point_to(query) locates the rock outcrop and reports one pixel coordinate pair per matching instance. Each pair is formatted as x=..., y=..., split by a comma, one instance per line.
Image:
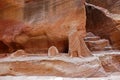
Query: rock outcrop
x=103, y=23
x=95, y=43
x=50, y=28
x=46, y=66
x=39, y=34
x=111, y=5
x=12, y=9
x=10, y=35
x=101, y=64
x=110, y=61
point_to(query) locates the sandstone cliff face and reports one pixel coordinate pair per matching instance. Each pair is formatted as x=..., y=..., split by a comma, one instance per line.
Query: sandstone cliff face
x=50, y=24
x=58, y=21
x=55, y=27
x=11, y=9
x=103, y=23
x=112, y=5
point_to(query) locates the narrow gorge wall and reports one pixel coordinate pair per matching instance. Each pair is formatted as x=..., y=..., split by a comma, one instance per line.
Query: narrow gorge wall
x=49, y=23
x=103, y=21
x=12, y=9
x=112, y=5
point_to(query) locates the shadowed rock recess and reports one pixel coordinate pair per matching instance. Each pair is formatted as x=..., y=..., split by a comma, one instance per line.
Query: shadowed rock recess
x=103, y=23
x=65, y=38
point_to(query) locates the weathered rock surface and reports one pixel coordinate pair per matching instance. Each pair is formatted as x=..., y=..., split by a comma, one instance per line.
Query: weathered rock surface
x=54, y=30
x=110, y=61
x=112, y=5
x=77, y=46
x=49, y=28
x=12, y=9
x=10, y=35
x=98, y=44
x=100, y=65
x=55, y=27
x=53, y=51
x=95, y=43
x=45, y=66
x=103, y=23
x=18, y=53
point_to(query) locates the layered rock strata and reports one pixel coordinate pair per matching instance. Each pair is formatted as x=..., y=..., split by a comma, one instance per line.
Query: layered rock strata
x=49, y=28
x=103, y=23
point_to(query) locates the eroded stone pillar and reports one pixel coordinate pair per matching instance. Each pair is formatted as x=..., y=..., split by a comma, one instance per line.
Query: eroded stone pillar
x=77, y=46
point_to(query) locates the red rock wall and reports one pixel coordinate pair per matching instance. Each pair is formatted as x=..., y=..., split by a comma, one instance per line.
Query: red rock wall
x=50, y=24
x=12, y=9
x=112, y=5
x=103, y=23
x=60, y=19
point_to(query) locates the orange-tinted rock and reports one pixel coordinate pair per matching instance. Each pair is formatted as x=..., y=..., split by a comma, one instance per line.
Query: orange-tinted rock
x=77, y=46
x=110, y=62
x=115, y=39
x=111, y=5
x=56, y=25
x=12, y=9
x=103, y=24
x=53, y=51
x=94, y=43
x=98, y=44
x=3, y=55
x=50, y=26
x=46, y=66
x=9, y=32
x=18, y=53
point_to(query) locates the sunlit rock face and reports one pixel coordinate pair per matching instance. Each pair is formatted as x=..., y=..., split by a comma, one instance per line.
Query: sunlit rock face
x=53, y=21
x=103, y=23
x=50, y=24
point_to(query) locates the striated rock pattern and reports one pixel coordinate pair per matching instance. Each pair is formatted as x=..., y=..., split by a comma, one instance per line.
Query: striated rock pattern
x=110, y=63
x=12, y=9
x=10, y=35
x=55, y=26
x=95, y=43
x=45, y=66
x=47, y=27
x=77, y=46
x=38, y=33
x=112, y=5
x=101, y=64
x=104, y=24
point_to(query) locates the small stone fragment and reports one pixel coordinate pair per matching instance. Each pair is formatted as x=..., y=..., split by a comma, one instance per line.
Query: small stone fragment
x=18, y=53
x=53, y=51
